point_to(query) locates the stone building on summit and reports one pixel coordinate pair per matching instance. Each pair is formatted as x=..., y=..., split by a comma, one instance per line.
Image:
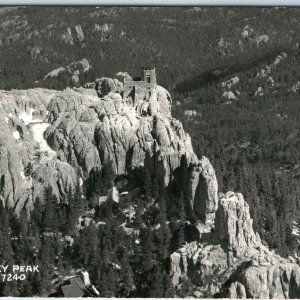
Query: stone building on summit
x=146, y=81
x=142, y=86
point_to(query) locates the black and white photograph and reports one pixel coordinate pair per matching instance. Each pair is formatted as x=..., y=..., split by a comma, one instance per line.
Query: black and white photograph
x=150, y=151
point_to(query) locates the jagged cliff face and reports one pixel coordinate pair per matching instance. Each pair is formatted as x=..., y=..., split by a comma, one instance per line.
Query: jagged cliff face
x=27, y=164
x=233, y=223
x=55, y=135
x=131, y=131
x=90, y=133
x=231, y=261
x=203, y=188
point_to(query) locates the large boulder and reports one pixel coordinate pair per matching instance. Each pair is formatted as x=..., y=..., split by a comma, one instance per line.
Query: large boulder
x=105, y=85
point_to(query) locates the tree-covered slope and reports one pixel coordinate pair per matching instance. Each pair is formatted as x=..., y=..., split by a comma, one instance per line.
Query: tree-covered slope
x=184, y=42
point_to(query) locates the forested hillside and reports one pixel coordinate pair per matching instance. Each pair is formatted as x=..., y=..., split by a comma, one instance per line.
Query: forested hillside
x=248, y=122
x=114, y=188
x=185, y=43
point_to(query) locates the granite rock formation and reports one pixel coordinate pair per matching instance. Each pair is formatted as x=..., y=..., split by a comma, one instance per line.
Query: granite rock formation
x=26, y=169
x=233, y=223
x=87, y=129
x=230, y=261
x=203, y=188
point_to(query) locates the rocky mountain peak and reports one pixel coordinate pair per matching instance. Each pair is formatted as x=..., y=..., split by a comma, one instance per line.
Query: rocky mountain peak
x=233, y=223
x=83, y=130
x=139, y=116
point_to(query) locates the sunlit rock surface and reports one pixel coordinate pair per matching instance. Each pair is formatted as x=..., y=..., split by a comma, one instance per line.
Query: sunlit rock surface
x=230, y=261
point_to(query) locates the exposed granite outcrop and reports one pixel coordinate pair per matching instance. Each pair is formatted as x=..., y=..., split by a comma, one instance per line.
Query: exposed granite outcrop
x=203, y=188
x=87, y=131
x=267, y=277
x=27, y=168
x=231, y=261
x=233, y=223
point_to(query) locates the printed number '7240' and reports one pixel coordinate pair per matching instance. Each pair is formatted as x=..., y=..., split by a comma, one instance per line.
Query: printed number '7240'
x=11, y=277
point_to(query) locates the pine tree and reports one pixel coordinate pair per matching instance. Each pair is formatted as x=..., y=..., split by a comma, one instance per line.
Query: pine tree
x=108, y=176
x=6, y=252
x=164, y=231
x=23, y=234
x=155, y=283
x=76, y=206
x=82, y=247
x=147, y=188
x=111, y=280
x=62, y=219
x=79, y=204
x=180, y=236
x=43, y=279
x=49, y=222
x=147, y=250
x=93, y=247
x=126, y=276
x=155, y=189
x=37, y=213
x=138, y=221
x=169, y=291
x=181, y=208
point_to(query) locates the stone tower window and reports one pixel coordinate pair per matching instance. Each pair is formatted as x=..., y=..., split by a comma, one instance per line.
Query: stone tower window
x=148, y=78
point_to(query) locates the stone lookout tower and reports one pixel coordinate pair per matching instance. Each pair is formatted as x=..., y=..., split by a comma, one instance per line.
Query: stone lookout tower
x=140, y=85
x=149, y=77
